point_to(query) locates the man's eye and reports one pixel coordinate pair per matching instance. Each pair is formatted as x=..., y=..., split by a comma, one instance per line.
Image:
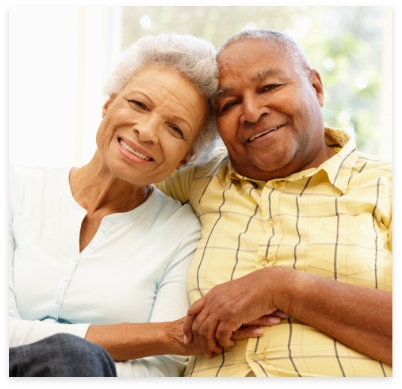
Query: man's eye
x=268, y=88
x=228, y=105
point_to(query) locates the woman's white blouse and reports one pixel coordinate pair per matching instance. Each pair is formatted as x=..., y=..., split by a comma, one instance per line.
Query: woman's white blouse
x=134, y=269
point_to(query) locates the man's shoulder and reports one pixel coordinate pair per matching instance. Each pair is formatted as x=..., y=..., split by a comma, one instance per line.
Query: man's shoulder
x=218, y=157
x=375, y=160
x=377, y=165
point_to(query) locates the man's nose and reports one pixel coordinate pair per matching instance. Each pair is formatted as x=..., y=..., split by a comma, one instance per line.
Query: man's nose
x=253, y=110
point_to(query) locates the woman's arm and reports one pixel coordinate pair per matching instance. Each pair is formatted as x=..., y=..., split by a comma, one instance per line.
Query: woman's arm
x=137, y=340
x=21, y=331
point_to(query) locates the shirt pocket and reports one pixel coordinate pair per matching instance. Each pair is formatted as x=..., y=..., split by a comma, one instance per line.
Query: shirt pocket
x=342, y=245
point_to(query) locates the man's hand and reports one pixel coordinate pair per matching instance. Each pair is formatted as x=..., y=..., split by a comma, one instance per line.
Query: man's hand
x=217, y=319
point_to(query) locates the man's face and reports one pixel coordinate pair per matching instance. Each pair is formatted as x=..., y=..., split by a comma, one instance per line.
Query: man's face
x=269, y=111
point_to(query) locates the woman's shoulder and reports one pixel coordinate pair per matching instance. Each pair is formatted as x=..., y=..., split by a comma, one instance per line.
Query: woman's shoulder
x=171, y=208
x=31, y=173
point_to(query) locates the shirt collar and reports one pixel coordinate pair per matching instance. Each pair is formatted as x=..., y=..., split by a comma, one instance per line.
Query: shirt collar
x=338, y=167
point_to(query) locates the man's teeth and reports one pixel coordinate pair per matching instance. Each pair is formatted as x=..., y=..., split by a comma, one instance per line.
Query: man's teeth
x=263, y=133
x=132, y=151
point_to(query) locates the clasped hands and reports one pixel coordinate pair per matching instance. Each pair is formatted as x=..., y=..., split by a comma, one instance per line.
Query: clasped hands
x=230, y=311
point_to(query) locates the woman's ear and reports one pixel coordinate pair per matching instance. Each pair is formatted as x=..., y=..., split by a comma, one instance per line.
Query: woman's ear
x=106, y=105
x=184, y=161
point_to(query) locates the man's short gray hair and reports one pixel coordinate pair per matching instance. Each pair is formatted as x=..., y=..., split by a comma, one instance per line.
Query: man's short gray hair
x=290, y=49
x=194, y=58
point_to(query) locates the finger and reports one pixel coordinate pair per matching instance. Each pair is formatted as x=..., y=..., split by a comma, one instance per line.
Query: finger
x=281, y=314
x=247, y=332
x=192, y=313
x=224, y=334
x=268, y=320
x=204, y=330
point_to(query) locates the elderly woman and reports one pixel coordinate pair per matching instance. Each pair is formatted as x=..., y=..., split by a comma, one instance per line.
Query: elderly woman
x=97, y=251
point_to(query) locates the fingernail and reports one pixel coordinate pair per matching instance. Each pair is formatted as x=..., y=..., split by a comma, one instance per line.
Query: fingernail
x=258, y=331
x=274, y=320
x=185, y=340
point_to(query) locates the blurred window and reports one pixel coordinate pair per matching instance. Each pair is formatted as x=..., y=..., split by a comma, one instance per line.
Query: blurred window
x=349, y=46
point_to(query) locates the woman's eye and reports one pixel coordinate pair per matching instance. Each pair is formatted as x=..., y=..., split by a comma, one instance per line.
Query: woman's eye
x=138, y=104
x=177, y=130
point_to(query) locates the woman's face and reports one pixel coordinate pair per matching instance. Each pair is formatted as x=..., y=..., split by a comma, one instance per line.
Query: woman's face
x=148, y=128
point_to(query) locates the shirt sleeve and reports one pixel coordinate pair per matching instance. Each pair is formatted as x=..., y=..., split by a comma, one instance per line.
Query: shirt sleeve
x=21, y=331
x=188, y=183
x=178, y=185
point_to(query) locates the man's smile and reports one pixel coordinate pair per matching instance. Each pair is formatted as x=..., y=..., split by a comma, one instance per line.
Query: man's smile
x=264, y=132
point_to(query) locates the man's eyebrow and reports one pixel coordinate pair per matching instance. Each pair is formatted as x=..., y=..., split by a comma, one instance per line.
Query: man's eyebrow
x=271, y=71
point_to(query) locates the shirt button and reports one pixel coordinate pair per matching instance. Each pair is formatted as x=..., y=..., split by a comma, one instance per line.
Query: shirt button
x=271, y=222
x=264, y=262
x=66, y=278
x=254, y=357
x=103, y=228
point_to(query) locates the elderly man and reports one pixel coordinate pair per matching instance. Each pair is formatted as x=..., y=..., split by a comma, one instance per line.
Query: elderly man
x=294, y=219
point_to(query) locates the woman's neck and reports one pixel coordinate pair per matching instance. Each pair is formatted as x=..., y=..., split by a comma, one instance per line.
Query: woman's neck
x=97, y=190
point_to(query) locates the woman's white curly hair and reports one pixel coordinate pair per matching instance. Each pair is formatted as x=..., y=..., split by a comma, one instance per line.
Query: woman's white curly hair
x=193, y=57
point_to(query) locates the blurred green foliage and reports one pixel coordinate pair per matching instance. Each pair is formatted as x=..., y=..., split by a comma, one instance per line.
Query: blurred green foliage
x=343, y=43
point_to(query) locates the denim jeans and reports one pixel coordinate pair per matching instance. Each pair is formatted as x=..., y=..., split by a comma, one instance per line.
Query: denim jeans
x=61, y=355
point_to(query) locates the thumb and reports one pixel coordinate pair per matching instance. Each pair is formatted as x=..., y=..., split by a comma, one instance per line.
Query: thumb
x=247, y=332
x=192, y=313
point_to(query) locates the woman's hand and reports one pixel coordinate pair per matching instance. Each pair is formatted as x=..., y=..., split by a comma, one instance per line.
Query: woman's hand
x=248, y=330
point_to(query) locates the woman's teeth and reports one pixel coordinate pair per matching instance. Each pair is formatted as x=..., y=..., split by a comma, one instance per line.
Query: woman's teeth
x=132, y=151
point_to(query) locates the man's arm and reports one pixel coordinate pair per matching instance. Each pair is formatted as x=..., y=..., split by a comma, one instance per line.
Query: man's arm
x=359, y=317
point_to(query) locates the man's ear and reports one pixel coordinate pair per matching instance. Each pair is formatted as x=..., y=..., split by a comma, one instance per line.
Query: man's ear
x=106, y=105
x=315, y=80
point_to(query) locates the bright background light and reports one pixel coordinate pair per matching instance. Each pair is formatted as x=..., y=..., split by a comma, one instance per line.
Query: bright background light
x=60, y=58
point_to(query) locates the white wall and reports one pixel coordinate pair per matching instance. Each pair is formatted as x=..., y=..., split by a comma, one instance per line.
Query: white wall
x=59, y=60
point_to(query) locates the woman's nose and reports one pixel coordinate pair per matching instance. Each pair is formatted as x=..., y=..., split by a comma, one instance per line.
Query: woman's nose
x=147, y=131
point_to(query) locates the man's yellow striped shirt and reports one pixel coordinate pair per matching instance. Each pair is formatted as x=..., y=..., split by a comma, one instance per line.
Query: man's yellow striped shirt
x=334, y=221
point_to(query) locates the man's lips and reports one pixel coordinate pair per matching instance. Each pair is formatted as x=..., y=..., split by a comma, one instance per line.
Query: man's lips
x=133, y=151
x=264, y=132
